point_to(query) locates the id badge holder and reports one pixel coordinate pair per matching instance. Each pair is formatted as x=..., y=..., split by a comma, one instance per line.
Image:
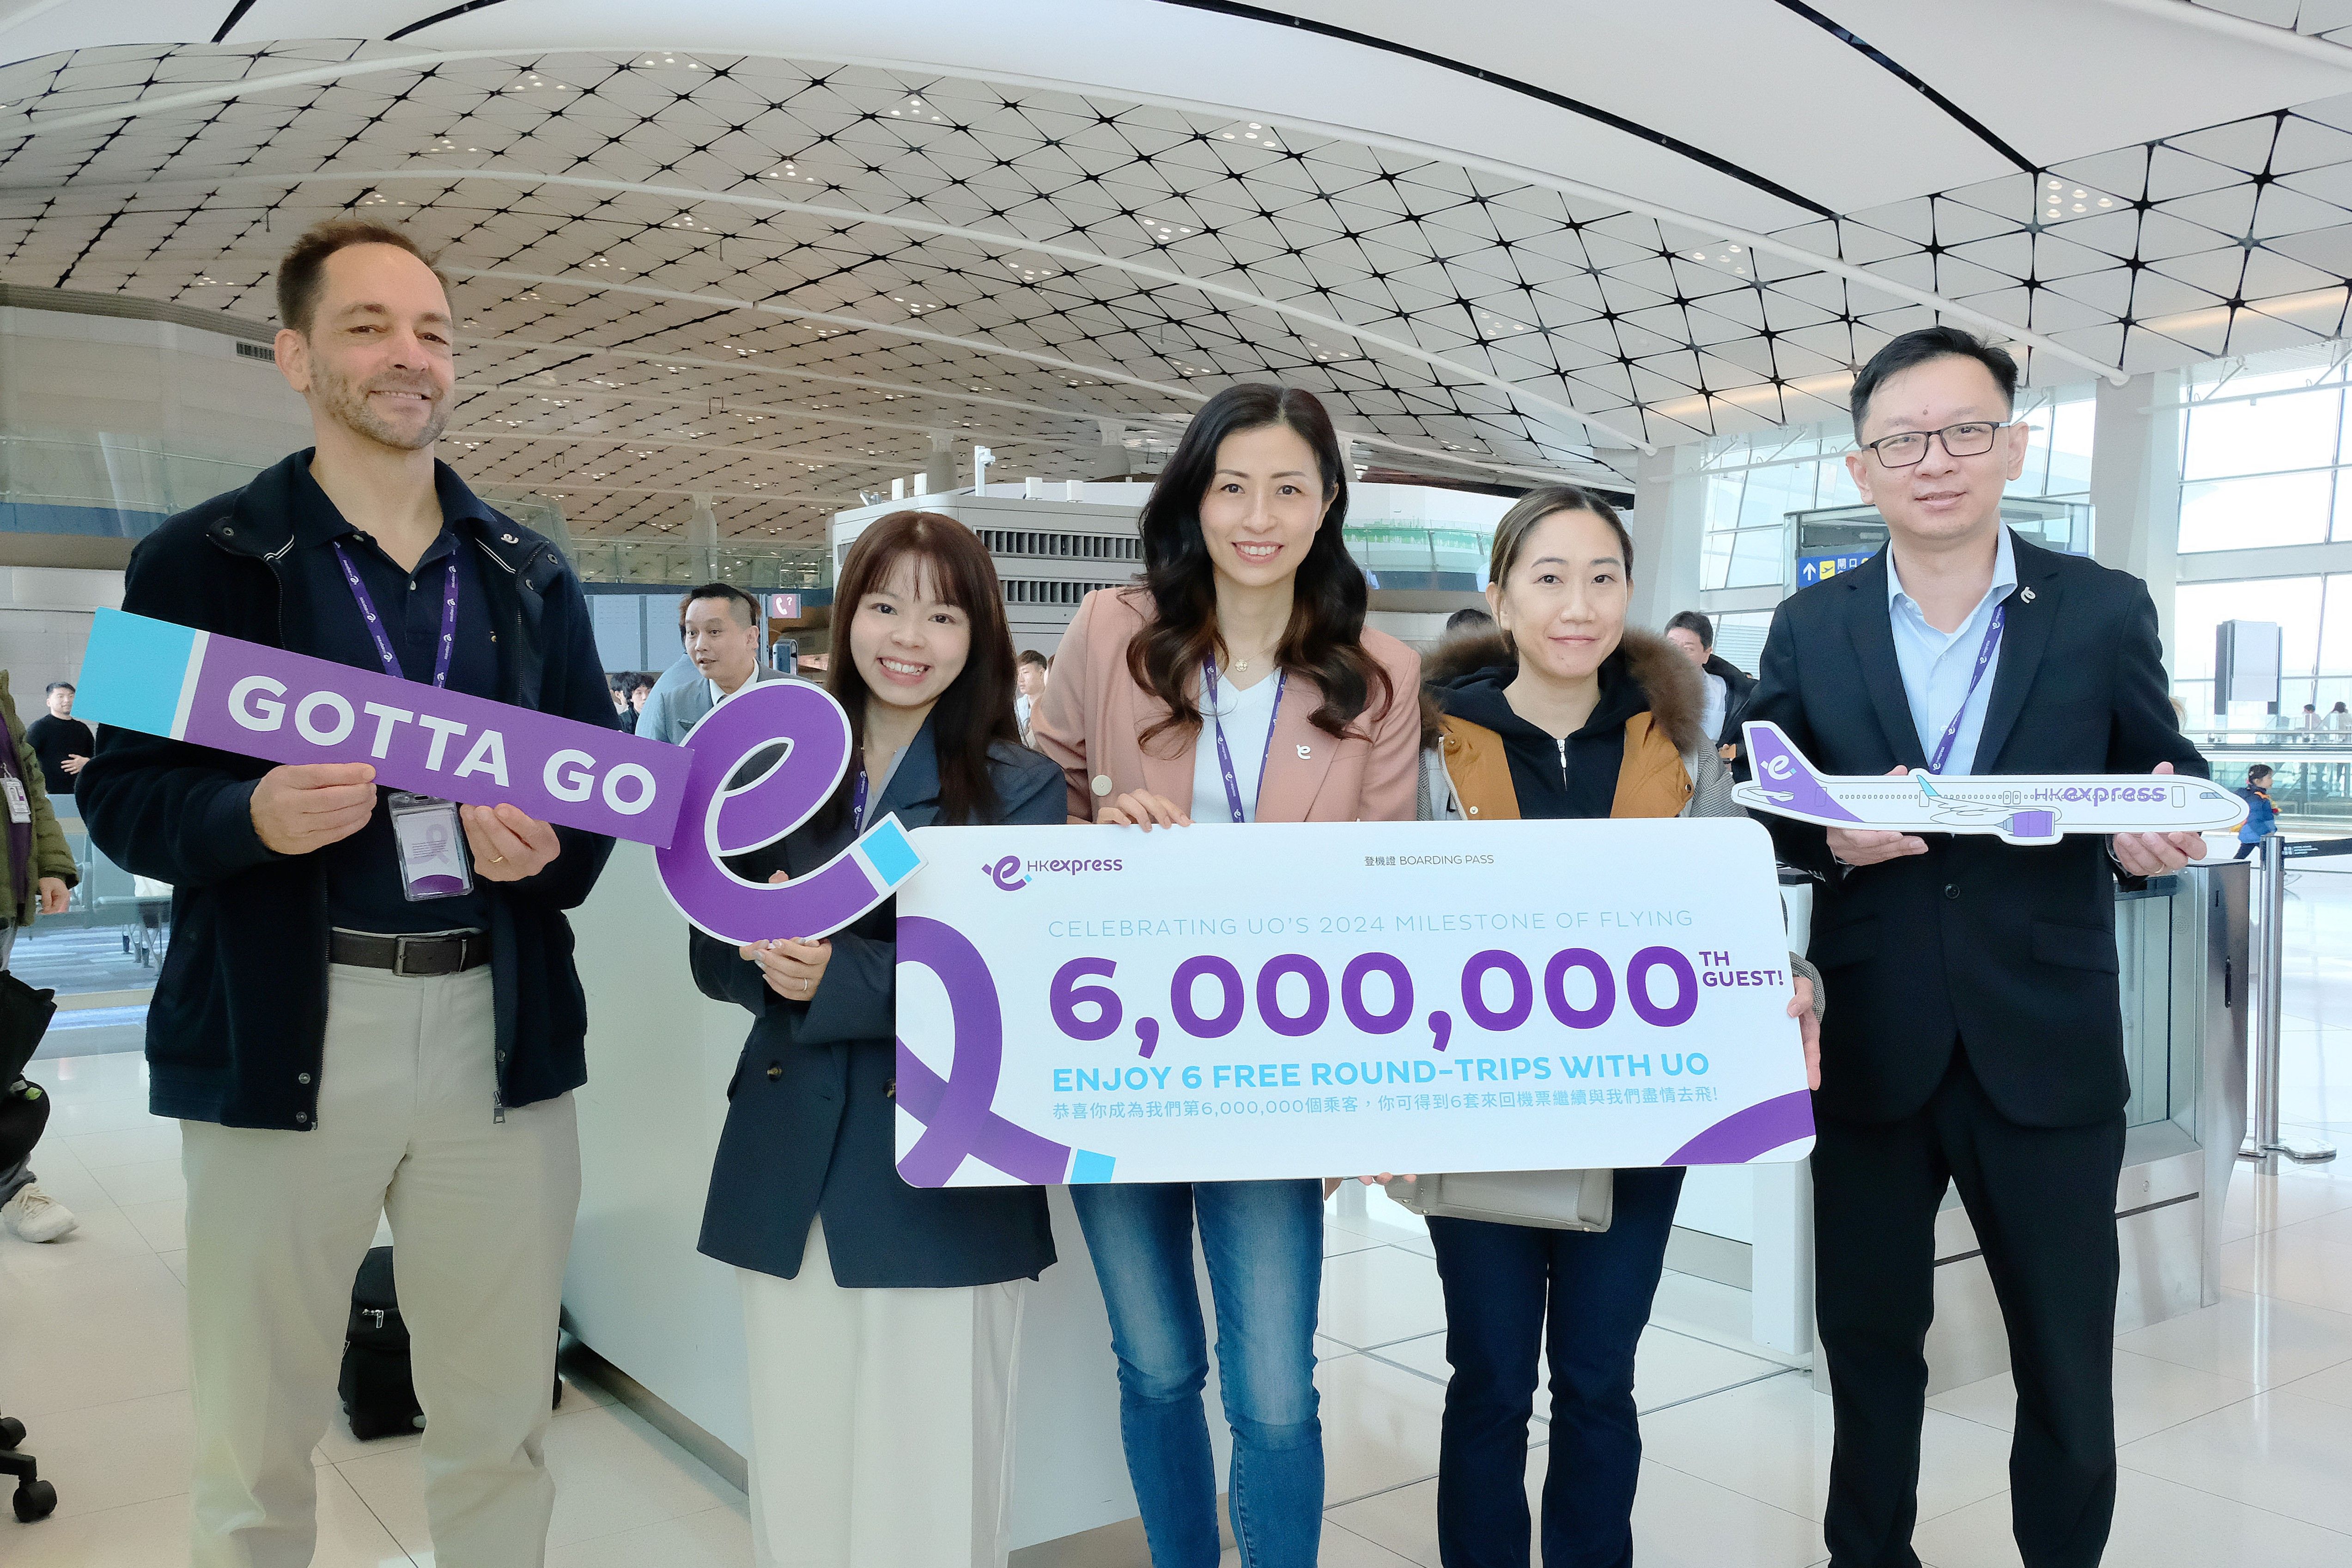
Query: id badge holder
x=432, y=848
x=20, y=805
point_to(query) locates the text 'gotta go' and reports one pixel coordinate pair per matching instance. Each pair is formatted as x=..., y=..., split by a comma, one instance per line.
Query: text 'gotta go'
x=327, y=719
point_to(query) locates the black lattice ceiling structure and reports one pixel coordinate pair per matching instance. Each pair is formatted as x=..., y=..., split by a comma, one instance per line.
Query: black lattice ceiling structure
x=782, y=281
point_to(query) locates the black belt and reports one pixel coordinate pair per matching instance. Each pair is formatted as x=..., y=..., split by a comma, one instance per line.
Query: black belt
x=412, y=957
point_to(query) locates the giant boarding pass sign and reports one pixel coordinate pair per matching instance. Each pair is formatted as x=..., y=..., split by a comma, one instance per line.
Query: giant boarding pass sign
x=259, y=701
x=1221, y=1003
x=2023, y=808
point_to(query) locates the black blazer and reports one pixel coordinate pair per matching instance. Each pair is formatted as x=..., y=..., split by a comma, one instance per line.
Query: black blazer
x=2008, y=950
x=810, y=1124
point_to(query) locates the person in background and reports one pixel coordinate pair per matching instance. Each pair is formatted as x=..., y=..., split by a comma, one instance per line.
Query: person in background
x=1728, y=686
x=62, y=742
x=2340, y=718
x=340, y=1047
x=641, y=686
x=623, y=714
x=1562, y=711
x=1468, y=621
x=37, y=875
x=720, y=626
x=881, y=1318
x=1029, y=670
x=1976, y=1042
x=1178, y=699
x=2261, y=812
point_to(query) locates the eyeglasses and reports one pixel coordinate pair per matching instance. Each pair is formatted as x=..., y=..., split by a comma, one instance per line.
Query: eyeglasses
x=1909, y=447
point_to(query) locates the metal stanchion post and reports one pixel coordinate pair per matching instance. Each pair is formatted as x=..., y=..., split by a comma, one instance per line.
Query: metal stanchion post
x=2272, y=973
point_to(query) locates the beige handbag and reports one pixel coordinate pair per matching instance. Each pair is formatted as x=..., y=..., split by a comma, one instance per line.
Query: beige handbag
x=1551, y=1200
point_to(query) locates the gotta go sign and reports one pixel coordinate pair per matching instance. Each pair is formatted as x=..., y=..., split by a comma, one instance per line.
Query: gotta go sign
x=260, y=701
x=698, y=805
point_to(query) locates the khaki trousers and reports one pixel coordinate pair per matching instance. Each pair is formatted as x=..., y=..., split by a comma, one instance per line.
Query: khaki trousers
x=481, y=1213
x=881, y=1421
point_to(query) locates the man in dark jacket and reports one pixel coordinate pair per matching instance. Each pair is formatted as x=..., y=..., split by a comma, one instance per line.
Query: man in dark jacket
x=339, y=1044
x=1728, y=687
x=1974, y=1032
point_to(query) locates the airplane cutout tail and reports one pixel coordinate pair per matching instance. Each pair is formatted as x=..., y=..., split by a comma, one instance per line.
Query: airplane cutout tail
x=1784, y=780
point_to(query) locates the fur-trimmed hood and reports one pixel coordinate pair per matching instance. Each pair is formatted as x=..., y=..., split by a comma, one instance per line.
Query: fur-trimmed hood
x=1676, y=698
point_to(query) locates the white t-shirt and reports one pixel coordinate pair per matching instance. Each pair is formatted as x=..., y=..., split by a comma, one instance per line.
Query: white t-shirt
x=1246, y=716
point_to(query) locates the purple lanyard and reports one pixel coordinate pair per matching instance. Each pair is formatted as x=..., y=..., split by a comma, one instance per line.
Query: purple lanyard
x=1224, y=755
x=375, y=622
x=857, y=803
x=1984, y=660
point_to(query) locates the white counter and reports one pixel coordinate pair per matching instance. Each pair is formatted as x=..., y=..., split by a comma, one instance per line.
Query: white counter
x=638, y=1294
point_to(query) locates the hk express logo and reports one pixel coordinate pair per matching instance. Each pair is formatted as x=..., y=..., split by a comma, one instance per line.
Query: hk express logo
x=1011, y=874
x=765, y=761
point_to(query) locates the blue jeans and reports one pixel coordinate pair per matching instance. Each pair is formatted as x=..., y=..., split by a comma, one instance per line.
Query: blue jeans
x=1506, y=1286
x=1264, y=1245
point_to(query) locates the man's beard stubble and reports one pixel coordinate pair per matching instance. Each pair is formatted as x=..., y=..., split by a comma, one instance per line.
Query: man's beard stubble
x=347, y=400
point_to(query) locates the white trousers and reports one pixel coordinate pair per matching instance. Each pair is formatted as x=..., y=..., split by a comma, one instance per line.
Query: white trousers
x=482, y=1214
x=881, y=1421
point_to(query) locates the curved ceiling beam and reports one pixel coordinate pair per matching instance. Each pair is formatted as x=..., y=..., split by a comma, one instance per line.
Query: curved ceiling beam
x=590, y=438
x=1902, y=73
x=846, y=323
x=1406, y=147
x=986, y=239
x=574, y=393
x=901, y=387
x=1618, y=123
x=2285, y=40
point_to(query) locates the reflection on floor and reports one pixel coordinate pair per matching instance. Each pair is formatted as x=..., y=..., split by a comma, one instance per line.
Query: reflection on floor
x=2236, y=1421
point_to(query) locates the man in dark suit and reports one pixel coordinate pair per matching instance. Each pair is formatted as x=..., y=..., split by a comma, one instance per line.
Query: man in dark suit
x=1974, y=1032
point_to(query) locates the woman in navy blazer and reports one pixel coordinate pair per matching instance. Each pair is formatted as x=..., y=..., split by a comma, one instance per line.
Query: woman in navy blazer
x=881, y=1319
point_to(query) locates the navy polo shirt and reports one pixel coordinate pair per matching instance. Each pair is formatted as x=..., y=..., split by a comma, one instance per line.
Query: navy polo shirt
x=322, y=619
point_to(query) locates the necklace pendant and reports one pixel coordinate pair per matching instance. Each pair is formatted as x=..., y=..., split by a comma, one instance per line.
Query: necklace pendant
x=1240, y=665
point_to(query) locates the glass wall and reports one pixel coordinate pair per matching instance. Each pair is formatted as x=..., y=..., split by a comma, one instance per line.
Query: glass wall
x=2260, y=451
x=1754, y=481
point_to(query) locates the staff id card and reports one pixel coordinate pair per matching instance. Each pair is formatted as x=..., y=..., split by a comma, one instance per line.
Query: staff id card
x=426, y=832
x=20, y=805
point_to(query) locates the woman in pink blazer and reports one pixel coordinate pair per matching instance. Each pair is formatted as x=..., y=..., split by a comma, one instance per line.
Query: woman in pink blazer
x=1237, y=684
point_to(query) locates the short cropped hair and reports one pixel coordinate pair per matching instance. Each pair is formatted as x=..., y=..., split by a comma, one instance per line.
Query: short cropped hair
x=2258, y=771
x=1917, y=349
x=57, y=686
x=1470, y=618
x=742, y=606
x=1030, y=656
x=302, y=271
x=1697, y=625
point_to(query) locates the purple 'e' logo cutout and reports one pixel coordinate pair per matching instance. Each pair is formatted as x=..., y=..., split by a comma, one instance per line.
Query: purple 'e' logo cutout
x=715, y=820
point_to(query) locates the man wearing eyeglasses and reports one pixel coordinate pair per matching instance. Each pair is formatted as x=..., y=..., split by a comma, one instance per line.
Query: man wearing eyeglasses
x=1974, y=1033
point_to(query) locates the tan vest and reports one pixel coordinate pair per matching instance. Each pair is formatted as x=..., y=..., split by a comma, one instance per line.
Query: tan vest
x=1652, y=782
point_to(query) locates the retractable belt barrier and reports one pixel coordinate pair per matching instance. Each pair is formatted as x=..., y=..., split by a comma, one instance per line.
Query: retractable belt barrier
x=2310, y=848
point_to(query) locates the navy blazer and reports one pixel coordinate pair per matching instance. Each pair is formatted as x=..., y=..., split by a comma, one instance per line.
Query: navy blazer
x=2007, y=951
x=811, y=1128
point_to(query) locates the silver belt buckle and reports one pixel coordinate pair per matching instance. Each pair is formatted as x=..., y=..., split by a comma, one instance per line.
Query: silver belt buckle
x=400, y=957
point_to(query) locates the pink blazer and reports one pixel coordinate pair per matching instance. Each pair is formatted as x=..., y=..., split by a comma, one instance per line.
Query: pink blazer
x=1092, y=714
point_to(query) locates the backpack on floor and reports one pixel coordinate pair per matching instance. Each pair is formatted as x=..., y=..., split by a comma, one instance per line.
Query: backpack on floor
x=379, y=1393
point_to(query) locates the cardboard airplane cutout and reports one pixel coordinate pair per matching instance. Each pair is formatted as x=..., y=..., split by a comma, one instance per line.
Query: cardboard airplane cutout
x=2023, y=808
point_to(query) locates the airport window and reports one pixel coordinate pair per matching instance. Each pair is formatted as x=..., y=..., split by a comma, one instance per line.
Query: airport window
x=1754, y=481
x=2261, y=455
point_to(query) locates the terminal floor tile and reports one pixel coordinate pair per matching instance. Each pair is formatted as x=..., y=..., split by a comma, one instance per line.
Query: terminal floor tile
x=2236, y=1421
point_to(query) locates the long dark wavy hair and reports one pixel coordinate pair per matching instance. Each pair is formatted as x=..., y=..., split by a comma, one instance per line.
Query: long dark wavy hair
x=1325, y=639
x=975, y=711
